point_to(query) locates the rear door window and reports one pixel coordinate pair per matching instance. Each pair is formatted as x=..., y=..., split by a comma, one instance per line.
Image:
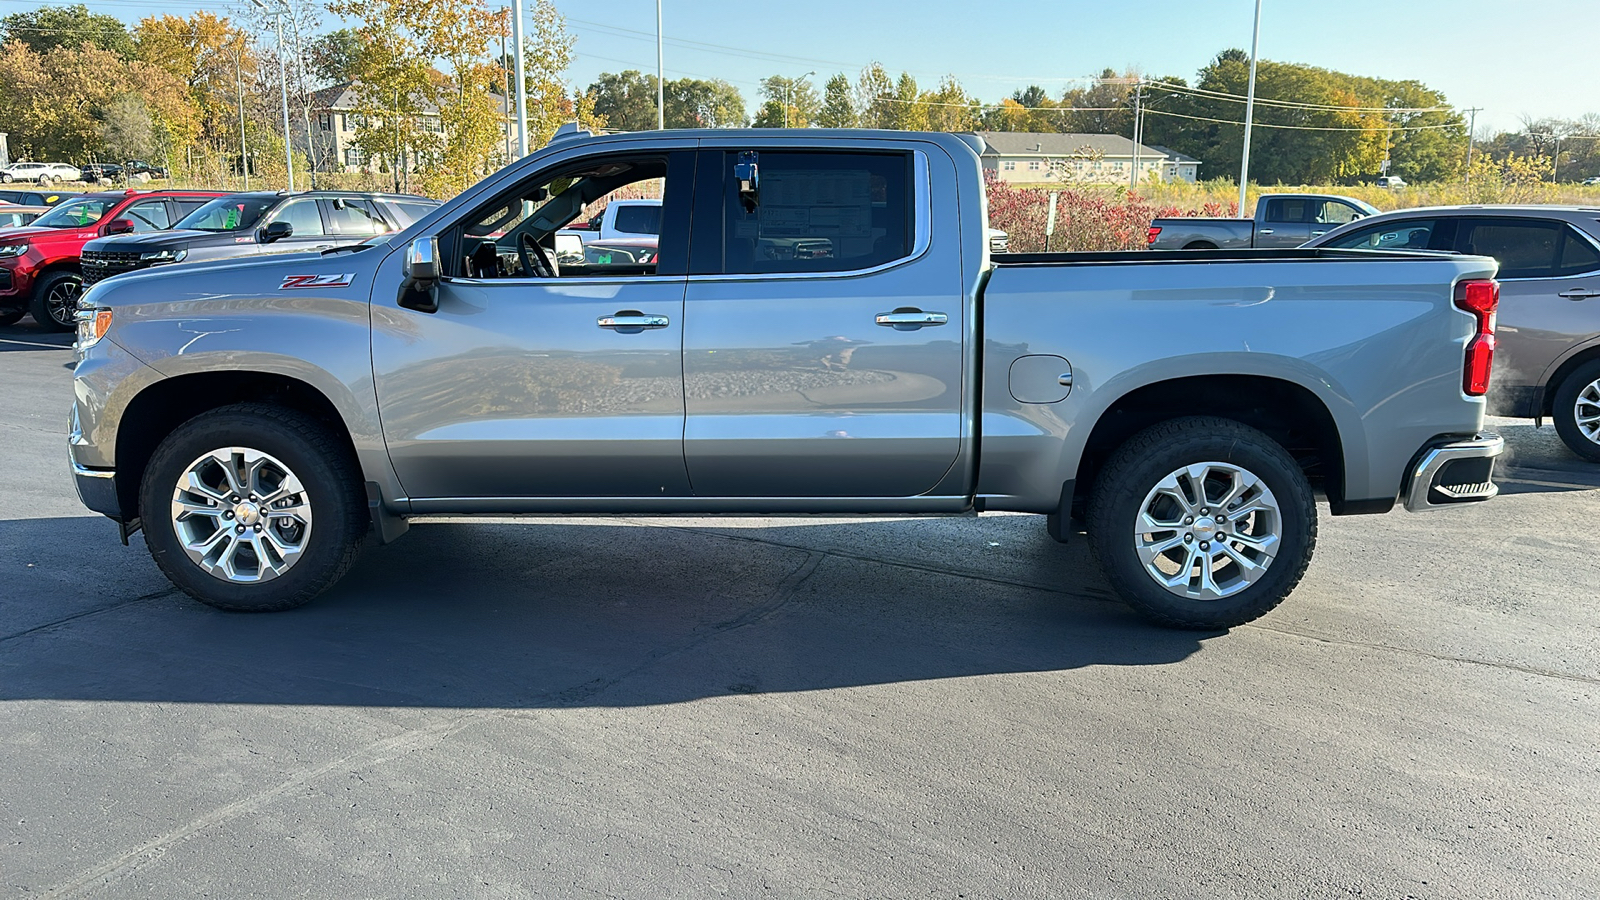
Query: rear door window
x=186, y=206
x=1578, y=254
x=1288, y=209
x=1525, y=248
x=814, y=212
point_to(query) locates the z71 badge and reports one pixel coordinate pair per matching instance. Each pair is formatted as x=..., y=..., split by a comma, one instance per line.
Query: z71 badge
x=291, y=282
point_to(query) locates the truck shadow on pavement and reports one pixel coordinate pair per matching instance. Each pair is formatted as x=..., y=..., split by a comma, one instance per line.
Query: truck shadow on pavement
x=574, y=614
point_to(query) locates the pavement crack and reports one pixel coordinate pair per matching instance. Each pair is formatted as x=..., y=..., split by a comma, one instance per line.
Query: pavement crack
x=780, y=597
x=1441, y=657
x=124, y=864
x=86, y=613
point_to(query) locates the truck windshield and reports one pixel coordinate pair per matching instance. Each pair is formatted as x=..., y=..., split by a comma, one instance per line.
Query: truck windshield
x=75, y=213
x=228, y=214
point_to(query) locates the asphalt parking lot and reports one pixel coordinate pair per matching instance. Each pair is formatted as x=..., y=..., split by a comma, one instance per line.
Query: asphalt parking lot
x=796, y=708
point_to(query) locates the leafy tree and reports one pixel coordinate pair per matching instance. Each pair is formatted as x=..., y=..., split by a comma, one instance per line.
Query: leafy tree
x=1101, y=108
x=699, y=103
x=210, y=55
x=50, y=27
x=546, y=55
x=908, y=114
x=334, y=58
x=791, y=101
x=875, y=97
x=948, y=108
x=626, y=100
x=838, y=107
x=127, y=130
x=1030, y=96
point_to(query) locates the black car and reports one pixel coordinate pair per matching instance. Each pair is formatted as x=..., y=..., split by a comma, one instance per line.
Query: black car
x=95, y=171
x=36, y=197
x=256, y=223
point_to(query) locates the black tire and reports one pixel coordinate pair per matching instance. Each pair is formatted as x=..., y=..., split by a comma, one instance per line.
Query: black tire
x=1565, y=411
x=1132, y=473
x=11, y=316
x=333, y=490
x=55, y=300
x=6, y=179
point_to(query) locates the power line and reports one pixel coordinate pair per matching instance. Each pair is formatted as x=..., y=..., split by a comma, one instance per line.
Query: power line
x=1375, y=128
x=1292, y=104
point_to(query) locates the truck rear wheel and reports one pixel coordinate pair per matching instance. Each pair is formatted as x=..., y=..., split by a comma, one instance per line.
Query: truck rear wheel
x=252, y=508
x=1577, y=411
x=1202, y=523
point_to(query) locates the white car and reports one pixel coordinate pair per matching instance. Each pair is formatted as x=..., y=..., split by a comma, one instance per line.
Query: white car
x=43, y=173
x=1592, y=180
x=1391, y=181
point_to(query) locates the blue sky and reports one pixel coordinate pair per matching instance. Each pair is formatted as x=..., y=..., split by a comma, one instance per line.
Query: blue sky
x=1512, y=57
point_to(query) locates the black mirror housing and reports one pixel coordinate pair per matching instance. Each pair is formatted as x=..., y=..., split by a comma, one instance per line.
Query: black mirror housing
x=276, y=231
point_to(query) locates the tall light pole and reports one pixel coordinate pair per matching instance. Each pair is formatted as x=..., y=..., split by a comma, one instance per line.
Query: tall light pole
x=1249, y=110
x=1472, y=131
x=283, y=84
x=661, y=76
x=244, y=154
x=522, y=80
x=786, y=90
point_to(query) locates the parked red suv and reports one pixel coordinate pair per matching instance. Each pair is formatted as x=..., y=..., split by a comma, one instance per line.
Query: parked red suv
x=39, y=262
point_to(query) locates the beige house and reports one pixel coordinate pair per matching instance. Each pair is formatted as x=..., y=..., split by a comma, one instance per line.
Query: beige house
x=1029, y=157
x=335, y=120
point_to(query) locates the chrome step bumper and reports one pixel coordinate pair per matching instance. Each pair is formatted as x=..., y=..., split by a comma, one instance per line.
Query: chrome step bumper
x=1460, y=471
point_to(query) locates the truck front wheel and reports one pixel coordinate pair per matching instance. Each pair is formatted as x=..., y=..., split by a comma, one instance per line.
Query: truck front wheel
x=1202, y=523
x=252, y=507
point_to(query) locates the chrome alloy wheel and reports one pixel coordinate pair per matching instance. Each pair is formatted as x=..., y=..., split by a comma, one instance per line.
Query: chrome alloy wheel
x=241, y=515
x=1208, y=531
x=1586, y=411
x=62, y=302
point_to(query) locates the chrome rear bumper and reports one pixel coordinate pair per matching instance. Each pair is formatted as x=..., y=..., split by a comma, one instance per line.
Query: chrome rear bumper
x=1460, y=471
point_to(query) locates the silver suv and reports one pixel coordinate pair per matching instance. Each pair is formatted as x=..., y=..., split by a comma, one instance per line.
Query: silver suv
x=1547, y=362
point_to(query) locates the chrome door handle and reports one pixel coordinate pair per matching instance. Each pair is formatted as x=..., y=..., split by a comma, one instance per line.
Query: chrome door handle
x=910, y=319
x=1319, y=233
x=629, y=321
x=1263, y=231
x=1579, y=294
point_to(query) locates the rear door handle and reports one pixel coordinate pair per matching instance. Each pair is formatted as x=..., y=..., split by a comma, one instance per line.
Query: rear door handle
x=631, y=321
x=1319, y=233
x=1579, y=294
x=1263, y=231
x=908, y=319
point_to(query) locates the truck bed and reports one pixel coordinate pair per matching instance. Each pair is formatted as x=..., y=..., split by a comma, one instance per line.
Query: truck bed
x=1289, y=254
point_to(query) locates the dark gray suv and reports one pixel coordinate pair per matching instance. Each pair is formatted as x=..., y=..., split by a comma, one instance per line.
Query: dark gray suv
x=1547, y=362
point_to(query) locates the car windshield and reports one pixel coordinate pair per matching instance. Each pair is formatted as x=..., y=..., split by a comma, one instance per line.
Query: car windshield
x=228, y=214
x=75, y=213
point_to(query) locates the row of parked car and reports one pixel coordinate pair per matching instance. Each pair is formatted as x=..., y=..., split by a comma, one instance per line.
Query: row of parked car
x=46, y=262
x=1547, y=358
x=43, y=173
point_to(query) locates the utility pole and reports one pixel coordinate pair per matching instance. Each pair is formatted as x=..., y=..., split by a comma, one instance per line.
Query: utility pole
x=283, y=83
x=1555, y=161
x=522, y=81
x=1472, y=134
x=1138, y=129
x=505, y=111
x=244, y=154
x=305, y=108
x=788, y=87
x=1249, y=110
x=661, y=76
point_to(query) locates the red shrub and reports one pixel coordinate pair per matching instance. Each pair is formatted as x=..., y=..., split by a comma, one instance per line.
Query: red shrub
x=1086, y=218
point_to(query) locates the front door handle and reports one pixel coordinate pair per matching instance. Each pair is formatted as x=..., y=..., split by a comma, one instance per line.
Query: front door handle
x=1319, y=233
x=1579, y=294
x=631, y=321
x=910, y=319
x=1263, y=231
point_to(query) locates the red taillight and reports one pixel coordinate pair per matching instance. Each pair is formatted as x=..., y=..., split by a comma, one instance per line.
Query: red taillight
x=1482, y=299
x=1150, y=234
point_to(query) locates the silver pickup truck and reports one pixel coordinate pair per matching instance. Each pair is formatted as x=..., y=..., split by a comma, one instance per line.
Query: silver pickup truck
x=1281, y=220
x=823, y=331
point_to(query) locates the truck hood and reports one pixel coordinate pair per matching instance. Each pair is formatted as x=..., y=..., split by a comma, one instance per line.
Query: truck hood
x=252, y=279
x=169, y=240
x=28, y=231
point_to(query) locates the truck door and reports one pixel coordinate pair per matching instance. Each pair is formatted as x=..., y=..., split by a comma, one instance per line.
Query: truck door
x=824, y=322
x=541, y=376
x=1286, y=222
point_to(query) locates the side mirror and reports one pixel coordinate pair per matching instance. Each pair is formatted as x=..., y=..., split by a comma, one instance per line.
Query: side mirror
x=276, y=231
x=749, y=176
x=417, y=291
x=120, y=226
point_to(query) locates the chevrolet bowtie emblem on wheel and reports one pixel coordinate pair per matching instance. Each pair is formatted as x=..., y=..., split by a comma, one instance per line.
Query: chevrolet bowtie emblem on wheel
x=291, y=282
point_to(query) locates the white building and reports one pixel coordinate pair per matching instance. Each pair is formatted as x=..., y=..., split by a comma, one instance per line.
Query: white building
x=1032, y=158
x=335, y=120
